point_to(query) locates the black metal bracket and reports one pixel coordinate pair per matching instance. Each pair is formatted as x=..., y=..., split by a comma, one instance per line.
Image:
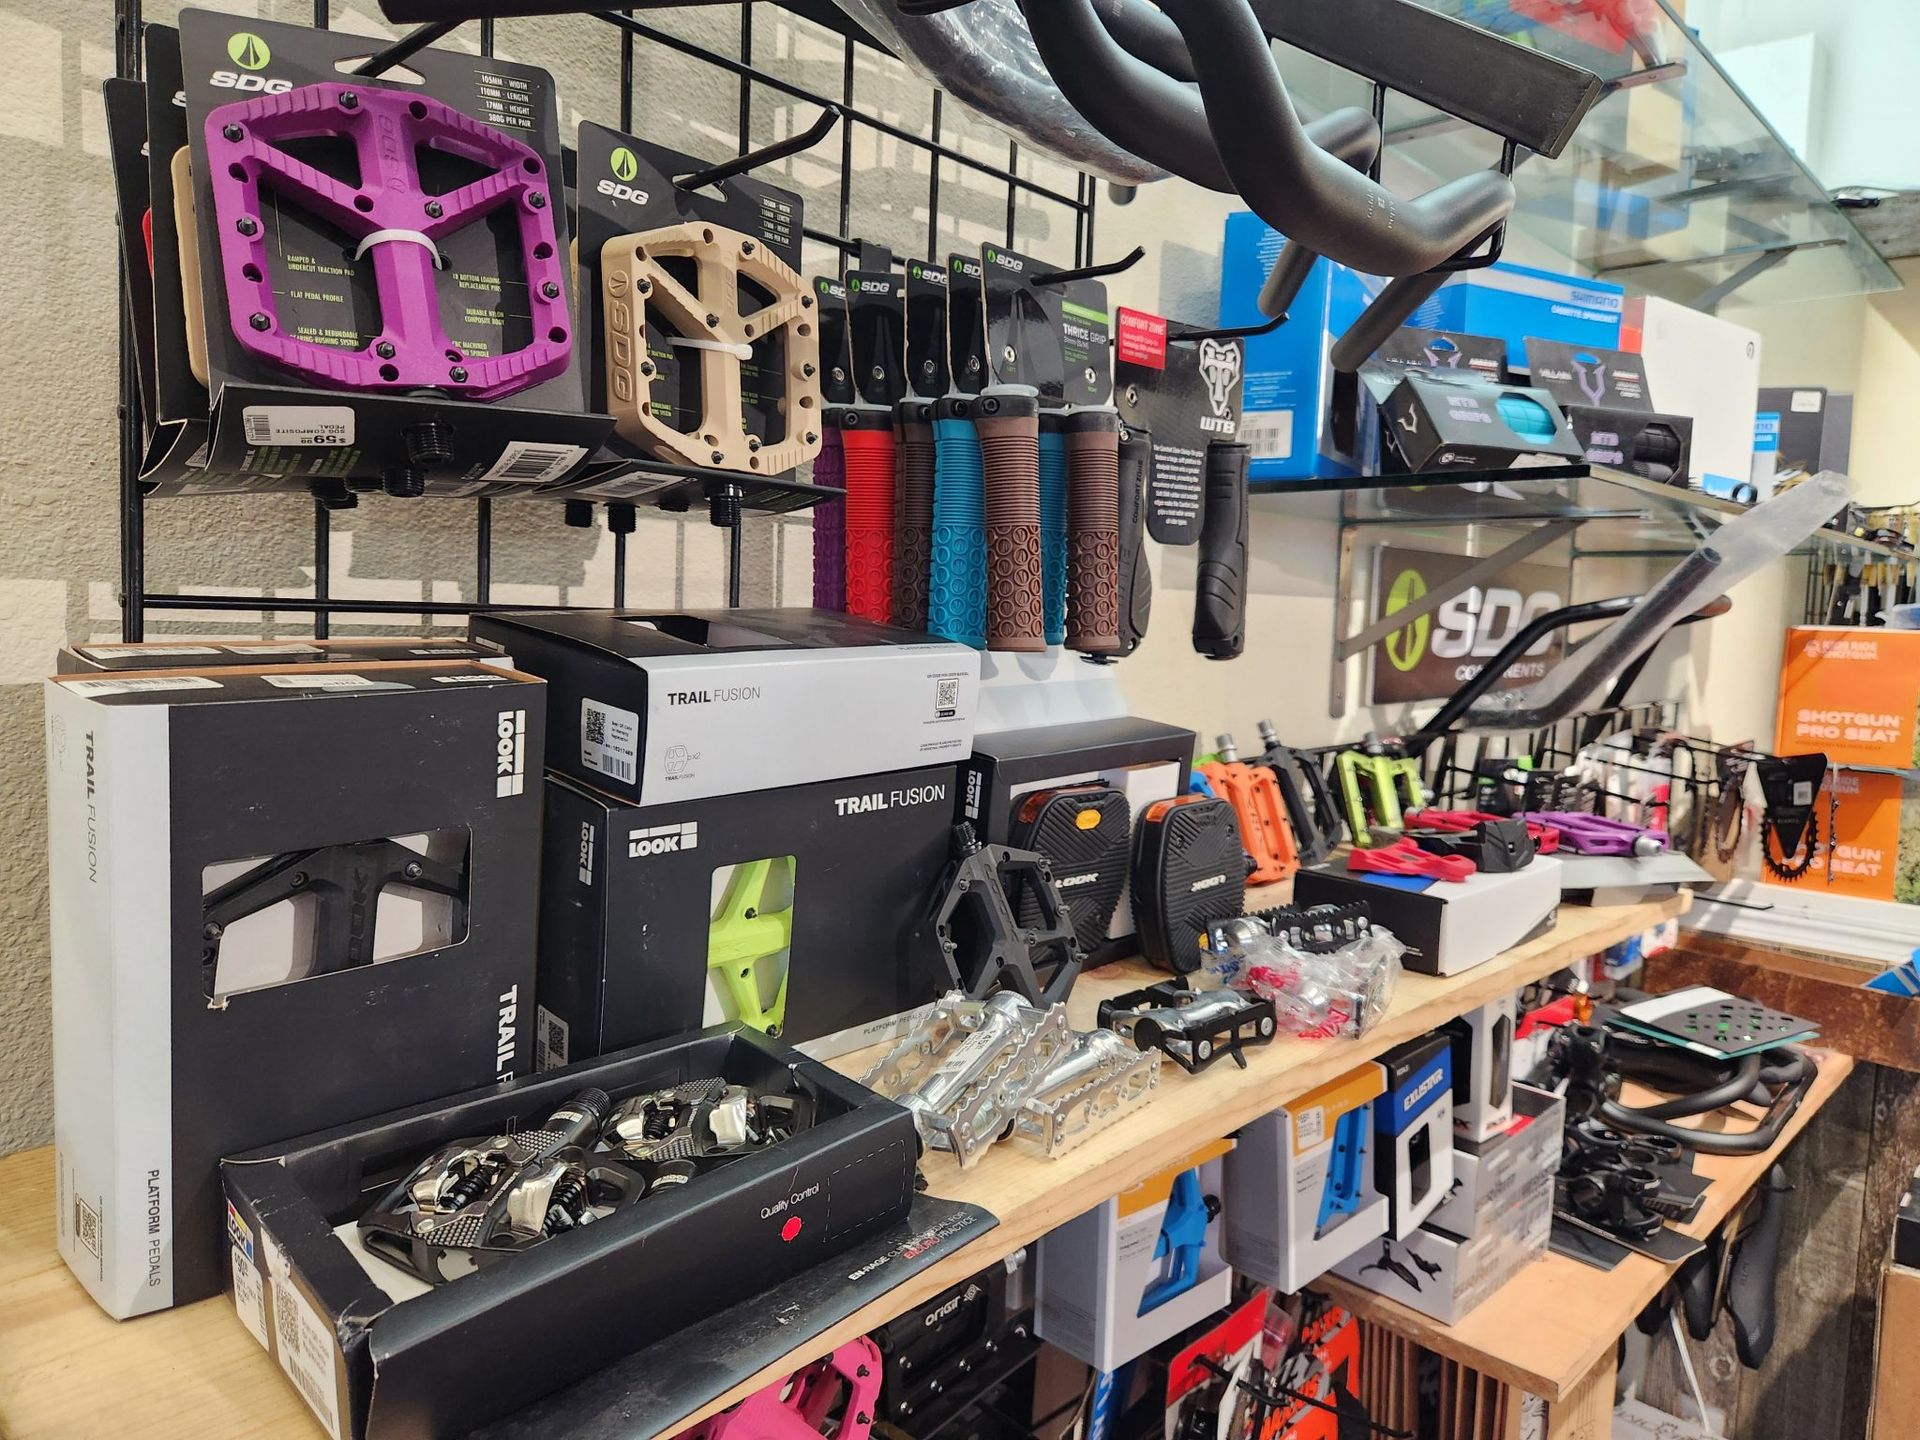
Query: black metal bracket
x=1051, y=278
x=766, y=155
x=406, y=46
x=1193, y=335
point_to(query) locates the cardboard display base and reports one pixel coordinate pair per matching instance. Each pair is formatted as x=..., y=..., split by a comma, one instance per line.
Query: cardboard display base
x=649, y=1390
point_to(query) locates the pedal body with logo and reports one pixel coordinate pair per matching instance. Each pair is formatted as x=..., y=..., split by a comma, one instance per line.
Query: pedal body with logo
x=1085, y=831
x=1188, y=872
x=793, y=910
x=281, y=899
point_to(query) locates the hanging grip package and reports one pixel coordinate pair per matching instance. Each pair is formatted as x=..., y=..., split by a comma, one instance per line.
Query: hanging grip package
x=396, y=221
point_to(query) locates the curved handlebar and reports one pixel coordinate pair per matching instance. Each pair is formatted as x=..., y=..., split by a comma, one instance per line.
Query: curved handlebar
x=1141, y=107
x=1148, y=35
x=1296, y=187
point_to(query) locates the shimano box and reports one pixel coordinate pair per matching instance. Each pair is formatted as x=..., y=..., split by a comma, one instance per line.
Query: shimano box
x=281, y=899
x=666, y=706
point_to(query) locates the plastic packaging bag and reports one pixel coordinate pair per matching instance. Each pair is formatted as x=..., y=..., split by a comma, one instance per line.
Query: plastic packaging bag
x=1327, y=993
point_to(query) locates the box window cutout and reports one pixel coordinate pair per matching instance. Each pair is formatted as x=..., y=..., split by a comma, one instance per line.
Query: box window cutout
x=275, y=919
x=748, y=943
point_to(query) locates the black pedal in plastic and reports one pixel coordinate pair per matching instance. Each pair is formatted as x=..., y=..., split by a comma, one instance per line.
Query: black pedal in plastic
x=1084, y=831
x=1496, y=847
x=985, y=946
x=1189, y=870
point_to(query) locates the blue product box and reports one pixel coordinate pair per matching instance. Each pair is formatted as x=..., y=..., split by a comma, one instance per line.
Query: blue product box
x=1512, y=302
x=1287, y=392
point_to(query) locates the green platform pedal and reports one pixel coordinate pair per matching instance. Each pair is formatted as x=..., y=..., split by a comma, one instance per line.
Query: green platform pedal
x=1377, y=788
x=752, y=931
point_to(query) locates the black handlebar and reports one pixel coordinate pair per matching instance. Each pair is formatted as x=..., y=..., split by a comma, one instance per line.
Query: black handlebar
x=1291, y=183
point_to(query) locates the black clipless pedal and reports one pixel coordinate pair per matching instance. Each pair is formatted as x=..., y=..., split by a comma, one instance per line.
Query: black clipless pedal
x=1083, y=831
x=1189, y=870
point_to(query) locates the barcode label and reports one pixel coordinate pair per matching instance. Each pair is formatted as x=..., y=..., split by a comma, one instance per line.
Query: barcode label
x=113, y=652
x=86, y=1227
x=320, y=682
x=552, y=1037
x=128, y=685
x=529, y=464
x=1310, y=1128
x=249, y=1294
x=319, y=425
x=305, y=1345
x=1268, y=433
x=609, y=740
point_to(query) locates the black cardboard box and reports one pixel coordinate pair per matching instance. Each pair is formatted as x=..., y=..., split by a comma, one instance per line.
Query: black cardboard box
x=239, y=951
x=380, y=1356
x=1143, y=759
x=1459, y=420
x=660, y=706
x=630, y=895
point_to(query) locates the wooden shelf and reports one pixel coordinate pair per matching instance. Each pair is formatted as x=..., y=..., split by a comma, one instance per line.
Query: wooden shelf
x=70, y=1372
x=1547, y=1328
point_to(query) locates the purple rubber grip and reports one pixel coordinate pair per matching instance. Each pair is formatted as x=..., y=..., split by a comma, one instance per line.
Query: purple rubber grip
x=830, y=528
x=412, y=350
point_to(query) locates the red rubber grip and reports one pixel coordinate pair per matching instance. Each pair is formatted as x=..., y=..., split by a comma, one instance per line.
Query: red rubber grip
x=867, y=440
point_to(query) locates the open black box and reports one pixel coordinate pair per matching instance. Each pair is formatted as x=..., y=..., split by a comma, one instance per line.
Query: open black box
x=456, y=1356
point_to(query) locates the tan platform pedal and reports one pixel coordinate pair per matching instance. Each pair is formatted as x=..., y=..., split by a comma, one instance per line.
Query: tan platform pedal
x=709, y=323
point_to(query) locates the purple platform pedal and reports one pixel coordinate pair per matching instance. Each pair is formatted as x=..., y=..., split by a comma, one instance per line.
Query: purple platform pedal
x=395, y=221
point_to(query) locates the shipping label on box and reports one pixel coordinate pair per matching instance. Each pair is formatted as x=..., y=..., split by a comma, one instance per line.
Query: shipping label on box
x=1851, y=695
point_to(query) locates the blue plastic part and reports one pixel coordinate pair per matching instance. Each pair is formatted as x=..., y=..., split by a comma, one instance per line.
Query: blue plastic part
x=1183, y=1235
x=1053, y=529
x=1527, y=417
x=957, y=582
x=1340, y=1196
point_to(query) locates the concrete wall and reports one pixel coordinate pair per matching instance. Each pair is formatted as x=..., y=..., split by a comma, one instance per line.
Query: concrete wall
x=58, y=556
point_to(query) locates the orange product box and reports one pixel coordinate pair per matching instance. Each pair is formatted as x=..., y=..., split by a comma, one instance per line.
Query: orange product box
x=1850, y=694
x=1875, y=820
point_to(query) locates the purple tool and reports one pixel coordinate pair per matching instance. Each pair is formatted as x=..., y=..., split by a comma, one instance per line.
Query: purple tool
x=1597, y=835
x=395, y=221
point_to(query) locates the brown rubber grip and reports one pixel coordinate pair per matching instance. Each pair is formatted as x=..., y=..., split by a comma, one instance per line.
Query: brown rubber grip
x=1009, y=429
x=1093, y=532
x=912, y=511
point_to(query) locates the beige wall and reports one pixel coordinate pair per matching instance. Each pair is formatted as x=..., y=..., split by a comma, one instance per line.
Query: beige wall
x=58, y=567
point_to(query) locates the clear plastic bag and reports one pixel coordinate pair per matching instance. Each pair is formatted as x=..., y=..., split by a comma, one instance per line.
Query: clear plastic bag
x=1327, y=994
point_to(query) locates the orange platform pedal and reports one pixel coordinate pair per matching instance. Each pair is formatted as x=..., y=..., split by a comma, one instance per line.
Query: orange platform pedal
x=1261, y=811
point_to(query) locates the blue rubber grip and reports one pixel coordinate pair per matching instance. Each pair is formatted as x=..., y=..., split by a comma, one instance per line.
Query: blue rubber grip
x=1053, y=527
x=957, y=584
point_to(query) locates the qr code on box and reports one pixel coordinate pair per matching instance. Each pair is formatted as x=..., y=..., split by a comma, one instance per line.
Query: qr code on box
x=86, y=1227
x=946, y=698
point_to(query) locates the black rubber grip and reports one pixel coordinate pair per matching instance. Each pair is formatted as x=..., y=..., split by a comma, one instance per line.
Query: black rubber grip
x=912, y=511
x=1297, y=187
x=1136, y=578
x=1220, y=587
x=1387, y=312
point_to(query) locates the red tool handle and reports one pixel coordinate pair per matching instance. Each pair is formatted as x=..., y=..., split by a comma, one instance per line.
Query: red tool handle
x=866, y=437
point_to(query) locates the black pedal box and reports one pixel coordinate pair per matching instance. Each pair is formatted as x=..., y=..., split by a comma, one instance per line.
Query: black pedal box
x=1083, y=831
x=1189, y=870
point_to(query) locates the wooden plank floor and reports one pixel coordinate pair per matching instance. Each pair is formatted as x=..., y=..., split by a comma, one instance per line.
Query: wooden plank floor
x=69, y=1373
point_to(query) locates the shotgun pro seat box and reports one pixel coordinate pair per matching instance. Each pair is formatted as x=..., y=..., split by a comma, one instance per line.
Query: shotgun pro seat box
x=281, y=899
x=653, y=707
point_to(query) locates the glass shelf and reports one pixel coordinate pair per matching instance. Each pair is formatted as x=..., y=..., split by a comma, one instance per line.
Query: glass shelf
x=1621, y=514
x=1674, y=185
